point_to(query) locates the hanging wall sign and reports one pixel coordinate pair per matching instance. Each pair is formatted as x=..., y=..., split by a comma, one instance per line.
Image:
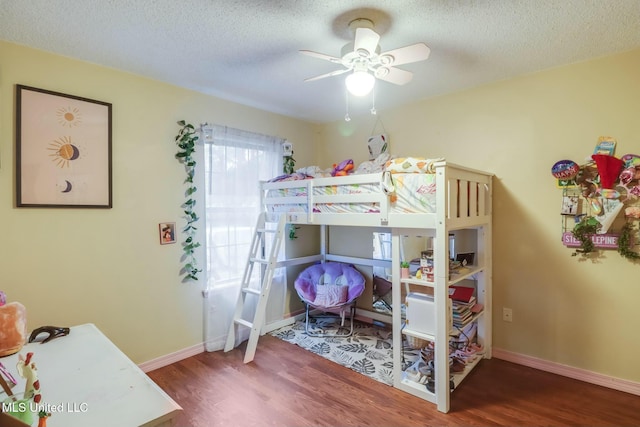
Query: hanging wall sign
x=601, y=241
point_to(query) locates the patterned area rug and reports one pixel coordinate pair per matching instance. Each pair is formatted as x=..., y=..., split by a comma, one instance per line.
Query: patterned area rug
x=368, y=351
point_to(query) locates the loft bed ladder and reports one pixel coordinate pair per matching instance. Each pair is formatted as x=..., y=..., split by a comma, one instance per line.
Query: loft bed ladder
x=263, y=252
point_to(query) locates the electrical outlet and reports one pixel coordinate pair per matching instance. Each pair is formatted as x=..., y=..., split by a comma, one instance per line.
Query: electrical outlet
x=507, y=314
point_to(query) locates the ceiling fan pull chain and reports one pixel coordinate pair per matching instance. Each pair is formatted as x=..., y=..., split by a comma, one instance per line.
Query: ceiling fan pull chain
x=373, y=103
x=347, y=118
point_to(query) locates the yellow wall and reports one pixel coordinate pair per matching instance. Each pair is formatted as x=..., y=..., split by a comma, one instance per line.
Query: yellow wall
x=72, y=266
x=566, y=310
x=106, y=266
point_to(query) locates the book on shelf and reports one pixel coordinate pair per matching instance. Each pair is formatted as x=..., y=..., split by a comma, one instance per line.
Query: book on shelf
x=457, y=305
x=461, y=309
x=462, y=323
x=477, y=308
x=463, y=312
x=461, y=293
x=462, y=319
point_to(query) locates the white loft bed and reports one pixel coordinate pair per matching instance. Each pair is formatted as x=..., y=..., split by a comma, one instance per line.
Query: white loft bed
x=458, y=198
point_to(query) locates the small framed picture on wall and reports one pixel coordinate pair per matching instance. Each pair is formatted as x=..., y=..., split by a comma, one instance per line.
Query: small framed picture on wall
x=167, y=232
x=570, y=205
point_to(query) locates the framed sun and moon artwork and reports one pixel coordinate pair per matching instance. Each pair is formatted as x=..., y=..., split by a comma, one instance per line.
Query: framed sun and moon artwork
x=63, y=150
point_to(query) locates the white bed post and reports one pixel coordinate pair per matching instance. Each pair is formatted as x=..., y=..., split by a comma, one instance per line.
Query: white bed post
x=323, y=242
x=396, y=302
x=485, y=279
x=441, y=291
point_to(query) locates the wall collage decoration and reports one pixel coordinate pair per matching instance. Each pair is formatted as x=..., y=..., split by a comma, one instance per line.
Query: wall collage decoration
x=600, y=201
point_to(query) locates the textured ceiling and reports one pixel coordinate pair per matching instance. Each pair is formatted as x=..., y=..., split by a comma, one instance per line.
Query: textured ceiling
x=247, y=50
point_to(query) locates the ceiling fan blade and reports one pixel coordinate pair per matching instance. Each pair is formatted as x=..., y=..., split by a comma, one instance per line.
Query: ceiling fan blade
x=394, y=75
x=405, y=55
x=331, y=74
x=366, y=39
x=321, y=56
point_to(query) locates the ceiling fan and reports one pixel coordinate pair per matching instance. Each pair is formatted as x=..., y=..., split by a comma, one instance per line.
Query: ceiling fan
x=364, y=59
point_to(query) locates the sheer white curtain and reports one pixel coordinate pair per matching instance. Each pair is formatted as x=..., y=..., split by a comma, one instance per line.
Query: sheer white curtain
x=235, y=162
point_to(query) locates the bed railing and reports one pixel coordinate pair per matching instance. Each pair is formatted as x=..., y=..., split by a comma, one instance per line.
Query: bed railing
x=467, y=193
x=463, y=199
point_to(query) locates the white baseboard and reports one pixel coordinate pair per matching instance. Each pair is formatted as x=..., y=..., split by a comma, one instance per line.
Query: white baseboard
x=277, y=325
x=179, y=355
x=168, y=359
x=568, y=371
x=619, y=384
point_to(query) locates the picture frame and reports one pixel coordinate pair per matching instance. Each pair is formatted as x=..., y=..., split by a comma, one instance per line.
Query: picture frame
x=570, y=205
x=167, y=232
x=63, y=150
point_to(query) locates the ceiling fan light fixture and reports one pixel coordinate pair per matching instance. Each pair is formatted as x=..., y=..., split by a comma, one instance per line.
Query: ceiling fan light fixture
x=360, y=83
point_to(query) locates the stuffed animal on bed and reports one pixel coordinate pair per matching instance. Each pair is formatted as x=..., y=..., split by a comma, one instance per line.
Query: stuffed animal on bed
x=343, y=168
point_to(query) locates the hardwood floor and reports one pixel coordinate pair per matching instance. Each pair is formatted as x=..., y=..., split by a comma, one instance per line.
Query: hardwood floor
x=288, y=386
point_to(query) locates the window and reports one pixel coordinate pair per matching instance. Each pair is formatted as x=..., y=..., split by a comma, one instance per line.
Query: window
x=235, y=162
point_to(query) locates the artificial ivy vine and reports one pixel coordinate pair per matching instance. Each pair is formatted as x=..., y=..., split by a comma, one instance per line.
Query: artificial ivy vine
x=589, y=226
x=624, y=242
x=583, y=231
x=186, y=141
x=288, y=164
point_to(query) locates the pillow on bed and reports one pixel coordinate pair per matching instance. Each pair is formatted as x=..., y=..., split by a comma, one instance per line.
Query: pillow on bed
x=411, y=165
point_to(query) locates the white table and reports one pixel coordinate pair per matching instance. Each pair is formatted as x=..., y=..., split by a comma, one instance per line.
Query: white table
x=93, y=383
